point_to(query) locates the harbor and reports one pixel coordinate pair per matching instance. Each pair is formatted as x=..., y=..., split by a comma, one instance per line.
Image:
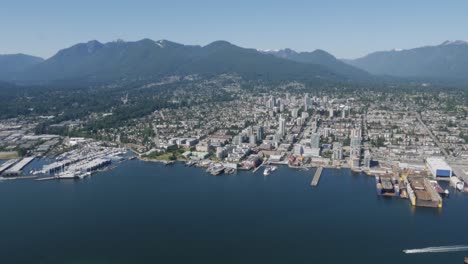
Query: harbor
x=138, y=190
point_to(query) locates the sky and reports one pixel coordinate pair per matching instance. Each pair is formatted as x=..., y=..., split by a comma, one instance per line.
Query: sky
x=347, y=29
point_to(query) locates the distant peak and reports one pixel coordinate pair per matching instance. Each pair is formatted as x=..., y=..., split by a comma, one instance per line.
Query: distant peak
x=321, y=51
x=93, y=42
x=454, y=42
x=93, y=45
x=162, y=43
x=220, y=43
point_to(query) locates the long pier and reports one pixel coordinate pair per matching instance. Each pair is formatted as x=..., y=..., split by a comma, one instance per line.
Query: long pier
x=7, y=165
x=316, y=178
x=15, y=170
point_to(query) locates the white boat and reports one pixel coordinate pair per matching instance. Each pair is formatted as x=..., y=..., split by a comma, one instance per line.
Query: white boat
x=273, y=168
x=460, y=186
x=66, y=175
x=267, y=171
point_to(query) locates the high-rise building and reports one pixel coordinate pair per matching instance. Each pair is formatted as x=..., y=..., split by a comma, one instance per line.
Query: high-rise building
x=252, y=140
x=355, y=142
x=282, y=125
x=330, y=112
x=343, y=112
x=249, y=131
x=315, y=140
x=220, y=153
x=260, y=132
x=367, y=159
x=337, y=151
x=299, y=121
x=294, y=112
x=156, y=135
x=270, y=102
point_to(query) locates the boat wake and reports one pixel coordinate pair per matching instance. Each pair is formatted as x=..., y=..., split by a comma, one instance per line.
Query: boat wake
x=436, y=249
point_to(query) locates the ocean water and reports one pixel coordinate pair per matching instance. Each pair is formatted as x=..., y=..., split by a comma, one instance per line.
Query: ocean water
x=144, y=212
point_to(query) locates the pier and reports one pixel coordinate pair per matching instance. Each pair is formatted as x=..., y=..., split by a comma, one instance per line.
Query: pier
x=257, y=168
x=316, y=178
x=15, y=170
x=7, y=165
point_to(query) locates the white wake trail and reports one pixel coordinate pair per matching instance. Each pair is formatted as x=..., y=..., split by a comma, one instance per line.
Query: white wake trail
x=437, y=249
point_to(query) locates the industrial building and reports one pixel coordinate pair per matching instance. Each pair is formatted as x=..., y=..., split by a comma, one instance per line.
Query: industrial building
x=438, y=167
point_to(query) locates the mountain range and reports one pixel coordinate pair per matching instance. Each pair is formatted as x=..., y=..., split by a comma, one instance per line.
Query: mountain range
x=447, y=61
x=146, y=59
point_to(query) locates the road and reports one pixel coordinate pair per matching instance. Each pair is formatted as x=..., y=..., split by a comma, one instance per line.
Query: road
x=418, y=116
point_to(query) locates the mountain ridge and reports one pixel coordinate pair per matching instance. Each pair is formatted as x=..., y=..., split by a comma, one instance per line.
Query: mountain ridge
x=321, y=57
x=146, y=58
x=448, y=60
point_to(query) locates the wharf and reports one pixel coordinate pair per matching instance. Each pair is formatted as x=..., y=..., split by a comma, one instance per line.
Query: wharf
x=7, y=165
x=257, y=168
x=316, y=178
x=15, y=170
x=46, y=178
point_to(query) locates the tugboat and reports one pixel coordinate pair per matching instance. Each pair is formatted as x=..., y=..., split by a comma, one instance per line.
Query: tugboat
x=267, y=171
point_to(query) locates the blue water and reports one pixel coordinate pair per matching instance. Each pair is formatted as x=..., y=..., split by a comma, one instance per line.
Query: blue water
x=149, y=213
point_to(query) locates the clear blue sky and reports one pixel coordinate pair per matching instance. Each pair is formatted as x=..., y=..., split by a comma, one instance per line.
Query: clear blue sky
x=347, y=29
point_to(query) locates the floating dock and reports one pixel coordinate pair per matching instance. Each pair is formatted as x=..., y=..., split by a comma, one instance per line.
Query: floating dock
x=316, y=178
x=386, y=185
x=423, y=193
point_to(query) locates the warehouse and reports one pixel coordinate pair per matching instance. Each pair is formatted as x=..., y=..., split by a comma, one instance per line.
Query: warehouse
x=438, y=167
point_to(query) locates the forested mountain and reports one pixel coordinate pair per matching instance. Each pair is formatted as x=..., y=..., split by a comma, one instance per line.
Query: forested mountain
x=447, y=61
